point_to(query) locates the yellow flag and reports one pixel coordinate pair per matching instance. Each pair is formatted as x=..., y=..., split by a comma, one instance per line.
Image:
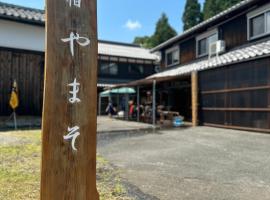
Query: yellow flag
x=14, y=100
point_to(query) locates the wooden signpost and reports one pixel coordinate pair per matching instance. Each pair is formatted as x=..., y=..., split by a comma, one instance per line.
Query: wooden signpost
x=69, y=112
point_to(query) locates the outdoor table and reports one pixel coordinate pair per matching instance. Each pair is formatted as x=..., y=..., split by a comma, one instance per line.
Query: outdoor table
x=167, y=115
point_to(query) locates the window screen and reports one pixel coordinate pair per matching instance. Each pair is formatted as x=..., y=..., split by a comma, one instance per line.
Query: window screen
x=204, y=44
x=109, y=68
x=136, y=69
x=268, y=21
x=172, y=57
x=202, y=49
x=257, y=25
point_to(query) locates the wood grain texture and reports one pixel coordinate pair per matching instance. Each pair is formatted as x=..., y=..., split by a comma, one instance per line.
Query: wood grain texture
x=69, y=175
x=188, y=51
x=234, y=32
x=237, y=95
x=25, y=67
x=194, y=93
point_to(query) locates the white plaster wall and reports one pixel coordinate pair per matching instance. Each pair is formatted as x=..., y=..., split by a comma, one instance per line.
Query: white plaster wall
x=22, y=36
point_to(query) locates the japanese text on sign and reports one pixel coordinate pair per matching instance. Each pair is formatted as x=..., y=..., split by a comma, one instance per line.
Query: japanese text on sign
x=73, y=133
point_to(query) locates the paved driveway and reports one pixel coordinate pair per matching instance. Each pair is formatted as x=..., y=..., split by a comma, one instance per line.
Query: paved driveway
x=194, y=164
x=106, y=124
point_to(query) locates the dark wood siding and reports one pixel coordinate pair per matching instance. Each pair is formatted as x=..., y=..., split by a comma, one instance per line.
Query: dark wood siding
x=237, y=96
x=27, y=68
x=162, y=62
x=188, y=51
x=234, y=32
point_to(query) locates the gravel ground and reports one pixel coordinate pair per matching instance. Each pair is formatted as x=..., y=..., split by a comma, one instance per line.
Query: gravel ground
x=196, y=163
x=106, y=124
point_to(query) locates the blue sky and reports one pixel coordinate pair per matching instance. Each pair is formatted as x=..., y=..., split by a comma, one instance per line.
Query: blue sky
x=122, y=20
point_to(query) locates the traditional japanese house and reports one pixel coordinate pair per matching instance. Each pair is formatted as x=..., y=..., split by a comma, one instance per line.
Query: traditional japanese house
x=220, y=69
x=22, y=46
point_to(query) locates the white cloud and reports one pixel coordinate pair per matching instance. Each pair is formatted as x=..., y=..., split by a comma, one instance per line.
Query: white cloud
x=133, y=25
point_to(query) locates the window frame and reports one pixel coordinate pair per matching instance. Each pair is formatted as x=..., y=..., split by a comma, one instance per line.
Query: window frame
x=205, y=35
x=253, y=14
x=108, y=63
x=171, y=50
x=133, y=72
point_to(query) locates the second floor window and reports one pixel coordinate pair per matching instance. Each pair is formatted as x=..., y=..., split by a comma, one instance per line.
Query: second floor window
x=108, y=68
x=172, y=56
x=136, y=69
x=259, y=23
x=204, y=41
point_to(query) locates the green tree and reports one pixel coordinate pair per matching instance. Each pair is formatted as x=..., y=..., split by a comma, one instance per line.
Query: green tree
x=143, y=41
x=213, y=7
x=164, y=31
x=228, y=3
x=192, y=14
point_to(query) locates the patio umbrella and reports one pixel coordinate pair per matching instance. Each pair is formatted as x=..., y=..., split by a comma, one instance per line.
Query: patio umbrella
x=123, y=90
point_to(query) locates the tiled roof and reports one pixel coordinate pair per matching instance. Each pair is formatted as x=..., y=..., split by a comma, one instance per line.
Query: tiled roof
x=124, y=50
x=241, y=54
x=21, y=13
x=204, y=23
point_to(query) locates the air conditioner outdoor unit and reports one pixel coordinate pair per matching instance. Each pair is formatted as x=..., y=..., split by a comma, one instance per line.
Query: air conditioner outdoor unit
x=217, y=48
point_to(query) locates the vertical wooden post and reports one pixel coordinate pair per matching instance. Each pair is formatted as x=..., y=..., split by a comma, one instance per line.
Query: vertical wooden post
x=126, y=106
x=70, y=109
x=268, y=102
x=138, y=104
x=99, y=105
x=118, y=103
x=154, y=103
x=194, y=93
